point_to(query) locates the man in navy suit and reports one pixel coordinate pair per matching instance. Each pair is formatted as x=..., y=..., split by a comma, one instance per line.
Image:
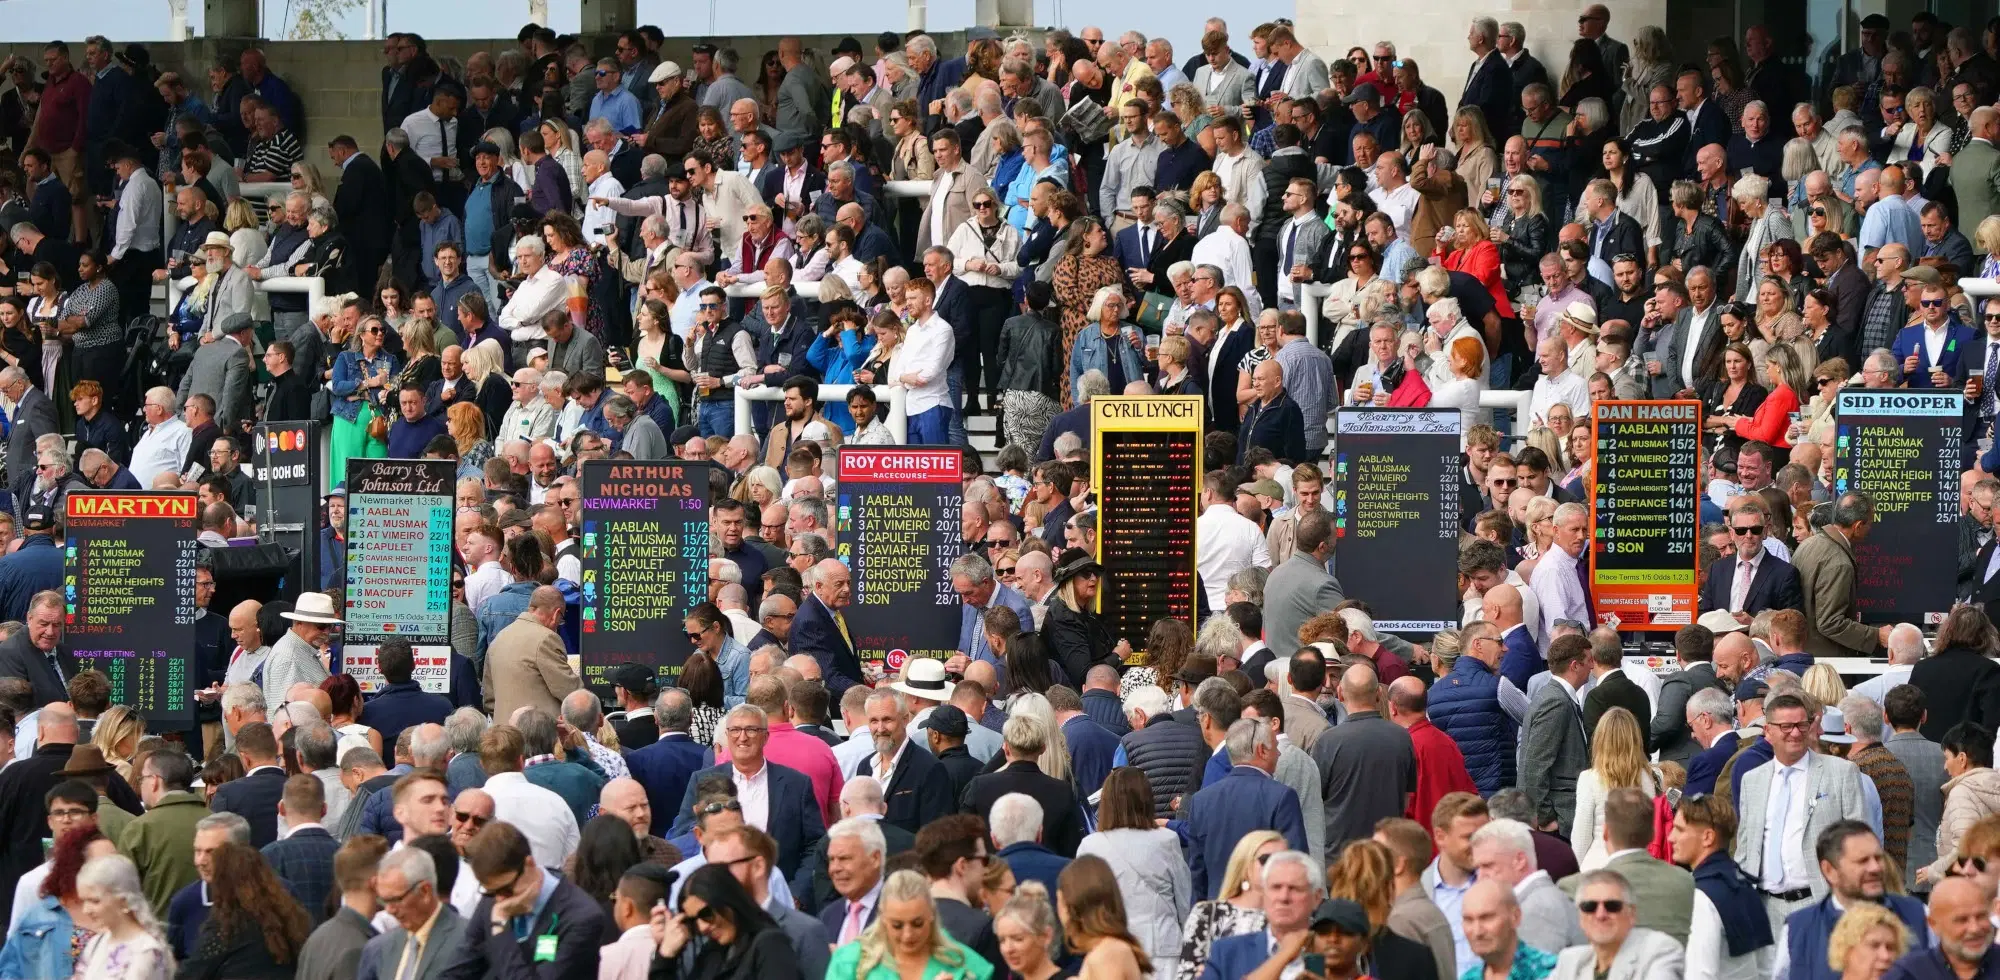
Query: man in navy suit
x=820, y=630
x=255, y=796
x=789, y=813
x=401, y=702
x=1711, y=720
x=1753, y=579
x=1129, y=247
x=305, y=857
x=1490, y=84
x=917, y=789
x=1933, y=352
x=1706, y=123
x=529, y=923
x=1245, y=800
x=1614, y=233
x=855, y=852
x=666, y=768
x=1293, y=888
x=795, y=177
x=363, y=204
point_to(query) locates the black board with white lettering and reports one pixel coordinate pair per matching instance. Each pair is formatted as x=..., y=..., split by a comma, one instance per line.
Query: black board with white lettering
x=1395, y=515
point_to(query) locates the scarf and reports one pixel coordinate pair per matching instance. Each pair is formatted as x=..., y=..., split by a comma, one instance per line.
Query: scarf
x=1744, y=923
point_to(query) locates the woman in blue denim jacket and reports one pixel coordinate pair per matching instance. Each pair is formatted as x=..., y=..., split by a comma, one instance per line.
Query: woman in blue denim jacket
x=43, y=945
x=362, y=379
x=1095, y=349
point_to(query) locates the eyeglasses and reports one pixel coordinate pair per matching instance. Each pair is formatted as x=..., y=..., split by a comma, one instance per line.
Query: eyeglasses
x=601, y=73
x=69, y=813
x=473, y=820
x=1788, y=727
x=1748, y=530
x=495, y=892
x=711, y=809
x=1611, y=906
x=745, y=731
x=387, y=900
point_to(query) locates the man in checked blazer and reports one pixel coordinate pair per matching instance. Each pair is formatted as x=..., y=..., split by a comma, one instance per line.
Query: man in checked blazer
x=1822, y=790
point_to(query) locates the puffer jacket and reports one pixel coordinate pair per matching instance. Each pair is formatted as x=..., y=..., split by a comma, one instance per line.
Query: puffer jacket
x=1968, y=798
x=1465, y=704
x=1171, y=754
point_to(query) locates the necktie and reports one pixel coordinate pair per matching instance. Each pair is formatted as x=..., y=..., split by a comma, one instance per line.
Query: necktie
x=1741, y=593
x=841, y=621
x=411, y=955
x=1291, y=240
x=1145, y=246
x=1774, y=842
x=1992, y=373
x=851, y=929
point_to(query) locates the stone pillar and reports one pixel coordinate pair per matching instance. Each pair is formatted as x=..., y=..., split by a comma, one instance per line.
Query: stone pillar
x=1434, y=32
x=609, y=16
x=230, y=18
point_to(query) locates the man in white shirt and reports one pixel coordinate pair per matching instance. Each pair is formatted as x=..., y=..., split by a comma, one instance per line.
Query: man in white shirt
x=1555, y=582
x=539, y=814
x=1906, y=647
x=165, y=445
x=540, y=291
x=481, y=548
x=1227, y=249
x=598, y=219
x=141, y=209
x=1557, y=385
x=1226, y=542
x=1368, y=377
x=921, y=365
x=1395, y=196
x=433, y=132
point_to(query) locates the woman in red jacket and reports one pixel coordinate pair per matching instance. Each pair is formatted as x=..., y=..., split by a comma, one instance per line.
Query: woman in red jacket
x=1785, y=376
x=1469, y=249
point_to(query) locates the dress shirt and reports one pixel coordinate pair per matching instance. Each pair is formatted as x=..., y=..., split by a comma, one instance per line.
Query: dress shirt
x=925, y=352
x=538, y=813
x=860, y=745
x=162, y=449
x=1785, y=867
x=1699, y=322
x=1287, y=257
x=1567, y=388
x=597, y=217
x=431, y=137
x=1934, y=338
x=754, y=792
x=858, y=911
x=618, y=107
x=1739, y=584
x=1226, y=250
x=1450, y=900
x=485, y=581
x=533, y=299
x=683, y=310
x=413, y=950
x=139, y=216
x=1399, y=205
x=1559, y=590
x=940, y=192
x=1226, y=542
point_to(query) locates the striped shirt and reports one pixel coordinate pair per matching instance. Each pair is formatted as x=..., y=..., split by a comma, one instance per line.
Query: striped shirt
x=274, y=156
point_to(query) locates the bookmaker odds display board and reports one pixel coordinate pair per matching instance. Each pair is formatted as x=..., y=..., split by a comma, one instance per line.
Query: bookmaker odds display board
x=1146, y=468
x=1646, y=512
x=898, y=511
x=128, y=587
x=1902, y=448
x=1395, y=485
x=399, y=524
x=645, y=564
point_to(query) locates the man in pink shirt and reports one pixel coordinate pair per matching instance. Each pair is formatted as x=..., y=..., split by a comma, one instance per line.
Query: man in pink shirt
x=795, y=749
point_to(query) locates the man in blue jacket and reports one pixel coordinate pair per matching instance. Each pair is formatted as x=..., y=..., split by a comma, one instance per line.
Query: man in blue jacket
x=401, y=702
x=666, y=767
x=1294, y=884
x=1274, y=421
x=37, y=566
x=1247, y=799
x=1466, y=705
x=1851, y=858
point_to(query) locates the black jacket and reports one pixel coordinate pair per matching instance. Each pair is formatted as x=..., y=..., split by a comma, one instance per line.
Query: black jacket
x=762, y=955
x=1062, y=817
x=571, y=916
x=291, y=398
x=1624, y=238
x=1491, y=89
x=1617, y=691
x=255, y=799
x=24, y=813
x=1078, y=640
x=918, y=792
x=1706, y=244
x=1277, y=426
x=1952, y=680
x=19, y=658
x=1030, y=354
x=362, y=203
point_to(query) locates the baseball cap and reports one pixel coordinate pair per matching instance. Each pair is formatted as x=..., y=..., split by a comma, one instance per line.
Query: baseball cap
x=634, y=677
x=1364, y=92
x=1263, y=488
x=1751, y=689
x=840, y=66
x=1342, y=914
x=39, y=518
x=947, y=720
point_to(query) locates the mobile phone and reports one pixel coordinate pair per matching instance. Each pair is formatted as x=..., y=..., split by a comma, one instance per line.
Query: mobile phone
x=1315, y=964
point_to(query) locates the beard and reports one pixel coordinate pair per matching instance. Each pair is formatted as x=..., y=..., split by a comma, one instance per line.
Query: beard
x=886, y=745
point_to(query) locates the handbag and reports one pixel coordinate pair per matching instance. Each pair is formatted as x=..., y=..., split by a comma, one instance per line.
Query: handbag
x=378, y=425
x=1152, y=310
x=1411, y=392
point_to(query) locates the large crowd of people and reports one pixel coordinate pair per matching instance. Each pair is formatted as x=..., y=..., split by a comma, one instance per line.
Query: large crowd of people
x=552, y=258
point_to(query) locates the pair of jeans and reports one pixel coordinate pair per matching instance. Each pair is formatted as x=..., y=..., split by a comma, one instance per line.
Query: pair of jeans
x=955, y=405
x=931, y=428
x=716, y=418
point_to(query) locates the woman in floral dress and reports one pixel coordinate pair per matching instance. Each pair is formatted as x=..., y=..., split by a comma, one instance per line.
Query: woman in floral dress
x=1085, y=268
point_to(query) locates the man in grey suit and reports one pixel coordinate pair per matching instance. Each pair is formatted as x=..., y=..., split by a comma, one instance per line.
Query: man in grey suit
x=1665, y=892
x=1694, y=646
x=1553, y=747
x=1660, y=349
x=1504, y=852
x=1903, y=708
x=34, y=417
x=221, y=370
x=803, y=99
x=1228, y=90
x=333, y=951
x=1300, y=588
x=1633, y=951
x=1975, y=170
x=406, y=883
x=1813, y=791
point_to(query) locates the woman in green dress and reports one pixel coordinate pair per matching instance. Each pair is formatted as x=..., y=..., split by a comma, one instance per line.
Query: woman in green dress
x=905, y=942
x=361, y=378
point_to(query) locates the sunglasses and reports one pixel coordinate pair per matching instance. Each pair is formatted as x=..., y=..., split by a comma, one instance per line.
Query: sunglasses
x=1505, y=483
x=708, y=306
x=1611, y=906
x=1967, y=867
x=1750, y=530
x=711, y=809
x=473, y=819
x=982, y=205
x=1931, y=304
x=1005, y=570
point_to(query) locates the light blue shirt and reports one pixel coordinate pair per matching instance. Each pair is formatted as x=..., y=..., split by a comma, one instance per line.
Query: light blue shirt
x=1451, y=901
x=972, y=632
x=1396, y=258
x=780, y=892
x=1890, y=221
x=618, y=107
x=683, y=310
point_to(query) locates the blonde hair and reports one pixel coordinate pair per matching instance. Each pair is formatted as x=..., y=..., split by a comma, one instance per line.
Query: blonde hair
x=1823, y=682
x=1034, y=709
x=1618, y=750
x=904, y=886
x=768, y=478
x=1532, y=188
x=1479, y=227
x=833, y=288
x=1855, y=924
x=482, y=360
x=115, y=725
x=239, y=216
x=1986, y=237
x=1236, y=879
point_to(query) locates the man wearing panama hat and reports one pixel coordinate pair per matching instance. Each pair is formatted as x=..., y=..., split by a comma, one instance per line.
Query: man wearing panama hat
x=1578, y=324
x=296, y=658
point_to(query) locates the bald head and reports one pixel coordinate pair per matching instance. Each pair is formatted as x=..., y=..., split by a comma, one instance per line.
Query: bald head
x=807, y=667
x=57, y=724
x=1360, y=688
x=1501, y=606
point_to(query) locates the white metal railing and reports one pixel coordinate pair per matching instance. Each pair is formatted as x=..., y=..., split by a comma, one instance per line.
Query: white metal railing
x=893, y=397
x=1313, y=296
x=1514, y=401
x=752, y=290
x=906, y=188
x=313, y=287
